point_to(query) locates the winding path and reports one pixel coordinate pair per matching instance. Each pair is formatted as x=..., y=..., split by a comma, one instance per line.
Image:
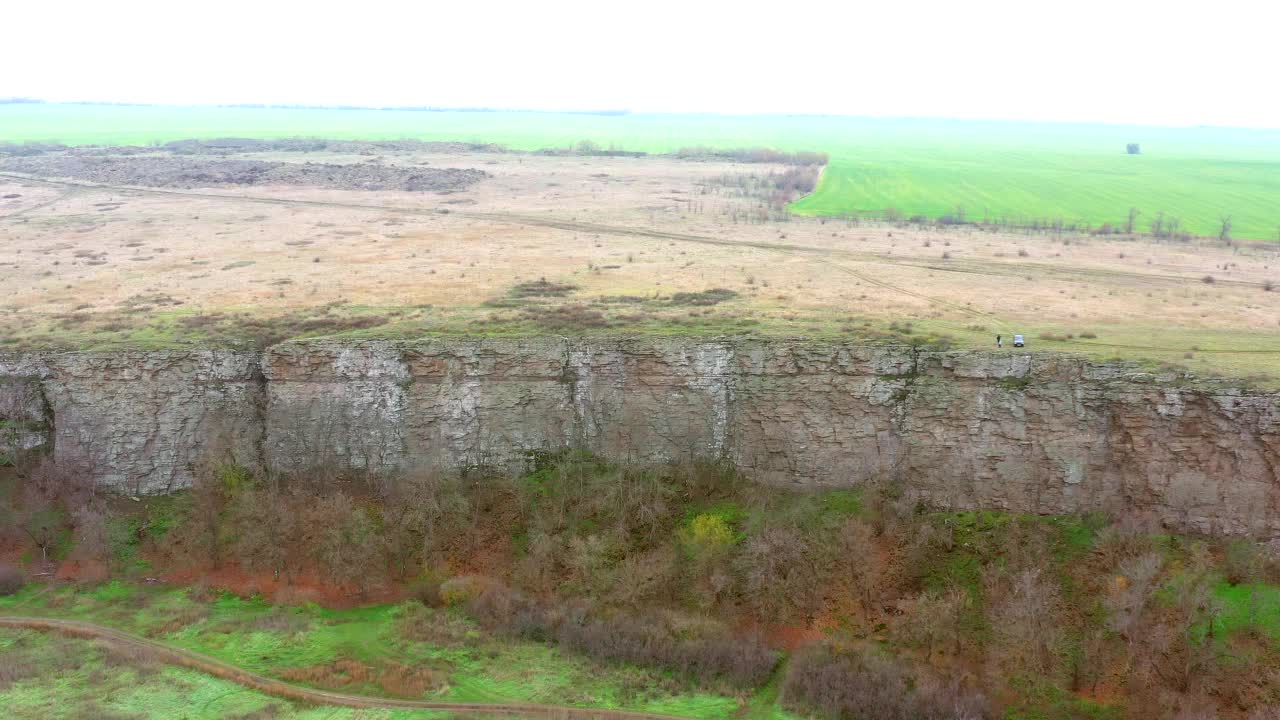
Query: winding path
x=271, y=686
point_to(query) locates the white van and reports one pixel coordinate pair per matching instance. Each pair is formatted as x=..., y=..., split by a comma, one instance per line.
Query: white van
x=1018, y=341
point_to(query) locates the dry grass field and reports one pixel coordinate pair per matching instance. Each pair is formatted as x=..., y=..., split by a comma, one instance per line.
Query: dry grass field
x=602, y=245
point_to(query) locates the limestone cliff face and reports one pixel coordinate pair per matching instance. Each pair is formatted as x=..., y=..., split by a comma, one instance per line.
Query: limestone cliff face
x=1012, y=430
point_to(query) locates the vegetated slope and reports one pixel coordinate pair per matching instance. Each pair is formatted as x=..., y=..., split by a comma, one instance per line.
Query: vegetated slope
x=1018, y=171
x=676, y=572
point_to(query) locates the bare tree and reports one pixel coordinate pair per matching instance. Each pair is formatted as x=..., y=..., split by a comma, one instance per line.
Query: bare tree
x=417, y=513
x=1224, y=228
x=1132, y=221
x=1157, y=225
x=1023, y=617
x=1130, y=592
x=1176, y=651
x=198, y=540
x=780, y=576
x=343, y=545
x=862, y=567
x=940, y=617
x=268, y=529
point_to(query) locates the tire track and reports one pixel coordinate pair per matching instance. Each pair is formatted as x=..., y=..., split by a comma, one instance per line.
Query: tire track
x=211, y=666
x=67, y=193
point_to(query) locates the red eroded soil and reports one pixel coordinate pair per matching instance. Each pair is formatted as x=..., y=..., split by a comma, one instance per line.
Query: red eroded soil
x=304, y=588
x=791, y=637
x=90, y=571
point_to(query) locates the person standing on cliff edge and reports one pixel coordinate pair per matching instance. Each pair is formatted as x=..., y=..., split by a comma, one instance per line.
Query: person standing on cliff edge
x=999, y=342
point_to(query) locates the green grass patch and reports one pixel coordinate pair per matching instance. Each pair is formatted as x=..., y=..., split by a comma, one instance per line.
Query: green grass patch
x=73, y=679
x=1249, y=606
x=266, y=639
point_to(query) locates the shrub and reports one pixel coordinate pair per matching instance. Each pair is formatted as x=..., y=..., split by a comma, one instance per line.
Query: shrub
x=634, y=639
x=421, y=624
x=16, y=666
x=780, y=575
x=869, y=687
x=1243, y=562
x=567, y=317
x=427, y=592
x=11, y=580
x=541, y=288
x=1208, y=280
x=460, y=590
x=709, y=531
x=714, y=296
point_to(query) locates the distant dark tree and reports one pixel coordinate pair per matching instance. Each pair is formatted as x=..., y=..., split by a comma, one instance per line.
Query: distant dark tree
x=1133, y=149
x=1224, y=229
x=1133, y=218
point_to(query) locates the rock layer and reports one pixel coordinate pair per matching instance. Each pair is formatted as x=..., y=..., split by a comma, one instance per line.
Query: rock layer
x=1018, y=431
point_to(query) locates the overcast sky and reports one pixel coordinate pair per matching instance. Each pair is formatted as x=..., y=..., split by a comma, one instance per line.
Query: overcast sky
x=1166, y=62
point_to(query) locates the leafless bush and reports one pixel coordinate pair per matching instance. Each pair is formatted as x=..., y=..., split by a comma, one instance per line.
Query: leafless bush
x=197, y=540
x=857, y=563
x=566, y=317
x=16, y=665
x=1023, y=615
x=419, y=513
x=541, y=288
x=340, y=544
x=422, y=624
x=714, y=296
x=1125, y=539
x=427, y=592
x=1130, y=592
x=867, y=686
x=128, y=655
x=394, y=678
x=626, y=638
x=1242, y=562
x=780, y=575
x=281, y=620
x=753, y=155
x=11, y=580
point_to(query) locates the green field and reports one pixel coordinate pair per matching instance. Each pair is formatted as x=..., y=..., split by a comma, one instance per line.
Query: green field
x=1016, y=171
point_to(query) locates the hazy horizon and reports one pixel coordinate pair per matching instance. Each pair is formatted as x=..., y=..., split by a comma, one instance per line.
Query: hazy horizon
x=1135, y=63
x=605, y=112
